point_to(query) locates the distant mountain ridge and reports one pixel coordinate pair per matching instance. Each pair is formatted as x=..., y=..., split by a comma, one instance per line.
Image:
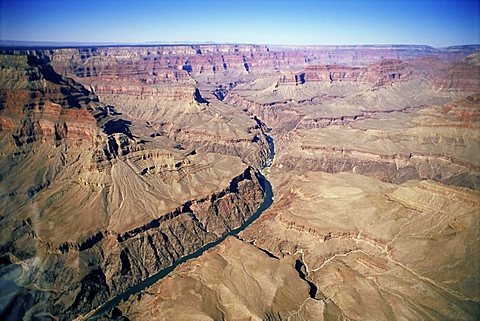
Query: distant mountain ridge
x=73, y=44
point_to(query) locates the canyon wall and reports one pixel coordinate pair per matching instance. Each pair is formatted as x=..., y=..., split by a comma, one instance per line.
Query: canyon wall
x=92, y=202
x=375, y=178
x=117, y=161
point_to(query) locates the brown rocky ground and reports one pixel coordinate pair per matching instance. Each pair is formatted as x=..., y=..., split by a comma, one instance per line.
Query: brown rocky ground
x=438, y=142
x=390, y=234
x=94, y=201
x=364, y=249
x=234, y=281
x=118, y=161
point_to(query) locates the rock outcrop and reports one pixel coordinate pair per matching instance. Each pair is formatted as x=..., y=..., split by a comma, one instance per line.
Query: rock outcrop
x=155, y=85
x=37, y=104
x=463, y=75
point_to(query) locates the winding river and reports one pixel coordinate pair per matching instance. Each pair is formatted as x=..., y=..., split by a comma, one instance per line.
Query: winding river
x=268, y=199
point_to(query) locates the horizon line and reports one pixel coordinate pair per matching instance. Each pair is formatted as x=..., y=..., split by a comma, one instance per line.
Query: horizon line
x=79, y=44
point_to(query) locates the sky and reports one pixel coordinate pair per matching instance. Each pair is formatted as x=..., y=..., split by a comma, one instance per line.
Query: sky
x=437, y=23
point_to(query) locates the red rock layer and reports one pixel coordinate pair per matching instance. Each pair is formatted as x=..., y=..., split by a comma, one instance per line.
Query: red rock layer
x=37, y=104
x=170, y=64
x=387, y=71
x=460, y=75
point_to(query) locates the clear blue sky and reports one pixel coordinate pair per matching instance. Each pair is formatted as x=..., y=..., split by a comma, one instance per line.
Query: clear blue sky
x=431, y=22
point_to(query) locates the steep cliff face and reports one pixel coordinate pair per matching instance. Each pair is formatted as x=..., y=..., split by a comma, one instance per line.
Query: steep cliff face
x=376, y=180
x=85, y=273
x=375, y=255
x=91, y=204
x=385, y=72
x=99, y=266
x=439, y=143
x=37, y=104
x=166, y=85
x=463, y=75
x=378, y=120
x=321, y=103
x=209, y=290
x=178, y=64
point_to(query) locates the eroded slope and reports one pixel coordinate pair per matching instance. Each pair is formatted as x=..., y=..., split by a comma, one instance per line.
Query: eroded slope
x=376, y=202
x=93, y=201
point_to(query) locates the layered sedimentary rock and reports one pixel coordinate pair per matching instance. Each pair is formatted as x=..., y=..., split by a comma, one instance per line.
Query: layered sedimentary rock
x=155, y=86
x=366, y=255
x=118, y=161
x=39, y=104
x=463, y=75
x=211, y=289
x=390, y=233
x=387, y=71
x=171, y=63
x=94, y=202
x=440, y=143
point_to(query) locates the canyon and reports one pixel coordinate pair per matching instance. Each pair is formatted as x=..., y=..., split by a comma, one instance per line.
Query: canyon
x=121, y=165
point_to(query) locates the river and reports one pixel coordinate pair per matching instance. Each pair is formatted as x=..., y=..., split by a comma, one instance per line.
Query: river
x=268, y=199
